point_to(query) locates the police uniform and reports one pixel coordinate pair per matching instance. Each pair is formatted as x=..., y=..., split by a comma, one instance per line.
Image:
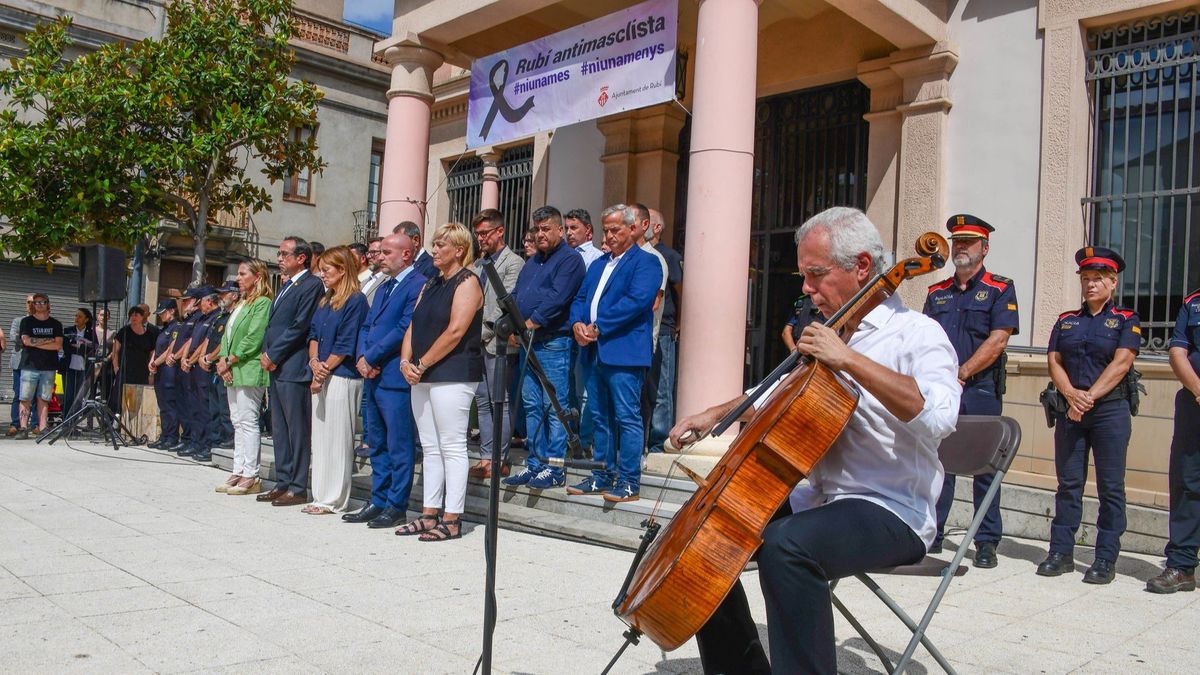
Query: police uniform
x=194, y=399
x=1087, y=343
x=1184, y=469
x=220, y=427
x=969, y=315
x=183, y=396
x=166, y=380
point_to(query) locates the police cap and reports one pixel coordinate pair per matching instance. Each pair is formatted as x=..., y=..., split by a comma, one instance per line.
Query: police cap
x=967, y=226
x=1099, y=258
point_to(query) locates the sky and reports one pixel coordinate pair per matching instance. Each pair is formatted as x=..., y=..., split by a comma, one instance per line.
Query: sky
x=375, y=15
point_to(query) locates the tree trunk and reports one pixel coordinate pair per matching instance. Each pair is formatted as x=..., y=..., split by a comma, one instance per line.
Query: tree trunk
x=199, y=239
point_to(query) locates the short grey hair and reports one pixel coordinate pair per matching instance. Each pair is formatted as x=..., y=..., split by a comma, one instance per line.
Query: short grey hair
x=850, y=233
x=628, y=213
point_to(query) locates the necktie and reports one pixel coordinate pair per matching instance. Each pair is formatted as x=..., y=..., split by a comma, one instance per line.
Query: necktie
x=282, y=290
x=388, y=287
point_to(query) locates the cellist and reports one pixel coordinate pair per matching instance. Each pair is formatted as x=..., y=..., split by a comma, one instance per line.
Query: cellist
x=870, y=502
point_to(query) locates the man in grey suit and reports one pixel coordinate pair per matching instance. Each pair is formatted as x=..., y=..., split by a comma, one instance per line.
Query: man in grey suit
x=489, y=232
x=285, y=356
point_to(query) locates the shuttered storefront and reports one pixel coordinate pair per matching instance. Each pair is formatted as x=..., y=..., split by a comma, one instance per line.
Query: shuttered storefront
x=16, y=282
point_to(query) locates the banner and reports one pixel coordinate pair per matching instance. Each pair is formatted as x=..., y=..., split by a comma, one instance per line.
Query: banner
x=619, y=62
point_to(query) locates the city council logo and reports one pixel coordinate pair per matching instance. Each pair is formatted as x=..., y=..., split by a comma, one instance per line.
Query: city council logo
x=603, y=96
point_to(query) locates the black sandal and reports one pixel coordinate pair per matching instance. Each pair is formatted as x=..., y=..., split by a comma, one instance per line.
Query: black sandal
x=441, y=532
x=421, y=524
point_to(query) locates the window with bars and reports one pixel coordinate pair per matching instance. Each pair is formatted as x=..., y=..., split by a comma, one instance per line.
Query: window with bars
x=1145, y=197
x=464, y=187
x=374, y=185
x=298, y=187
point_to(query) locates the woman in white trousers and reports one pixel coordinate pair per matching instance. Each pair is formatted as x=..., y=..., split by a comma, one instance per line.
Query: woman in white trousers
x=442, y=359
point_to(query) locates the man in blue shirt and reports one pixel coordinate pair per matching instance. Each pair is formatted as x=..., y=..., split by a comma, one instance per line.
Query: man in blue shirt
x=978, y=311
x=545, y=288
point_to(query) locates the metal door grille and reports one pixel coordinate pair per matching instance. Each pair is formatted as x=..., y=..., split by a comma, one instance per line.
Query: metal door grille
x=810, y=154
x=464, y=186
x=1146, y=178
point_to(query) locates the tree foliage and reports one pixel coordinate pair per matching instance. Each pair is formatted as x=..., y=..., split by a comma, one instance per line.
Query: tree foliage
x=102, y=146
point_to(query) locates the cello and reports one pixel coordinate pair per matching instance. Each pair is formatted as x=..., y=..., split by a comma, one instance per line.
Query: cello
x=678, y=580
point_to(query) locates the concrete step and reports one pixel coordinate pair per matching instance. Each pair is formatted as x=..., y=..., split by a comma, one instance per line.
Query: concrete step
x=1026, y=511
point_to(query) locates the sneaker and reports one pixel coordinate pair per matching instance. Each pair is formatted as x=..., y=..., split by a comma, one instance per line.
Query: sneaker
x=547, y=478
x=622, y=492
x=589, y=486
x=520, y=478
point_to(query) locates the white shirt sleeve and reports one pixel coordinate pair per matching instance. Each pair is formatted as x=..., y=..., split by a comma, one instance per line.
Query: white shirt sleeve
x=934, y=366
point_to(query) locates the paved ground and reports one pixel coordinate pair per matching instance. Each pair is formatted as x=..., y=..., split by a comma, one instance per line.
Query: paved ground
x=133, y=565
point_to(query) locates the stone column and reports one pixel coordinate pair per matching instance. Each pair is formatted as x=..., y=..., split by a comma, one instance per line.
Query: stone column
x=641, y=157
x=406, y=155
x=721, y=167
x=489, y=197
x=906, y=161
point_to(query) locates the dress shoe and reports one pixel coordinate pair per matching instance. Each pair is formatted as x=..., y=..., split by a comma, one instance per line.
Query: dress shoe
x=179, y=445
x=184, y=450
x=388, y=518
x=935, y=548
x=202, y=456
x=1056, y=564
x=985, y=555
x=290, y=499
x=1101, y=572
x=364, y=514
x=271, y=496
x=1172, y=579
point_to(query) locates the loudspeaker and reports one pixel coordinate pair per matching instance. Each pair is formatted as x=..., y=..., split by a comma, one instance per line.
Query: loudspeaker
x=101, y=274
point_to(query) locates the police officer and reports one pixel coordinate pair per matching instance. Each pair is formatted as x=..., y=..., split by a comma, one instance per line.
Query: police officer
x=1184, y=469
x=1090, y=353
x=804, y=312
x=165, y=377
x=220, y=427
x=195, y=390
x=978, y=311
x=190, y=309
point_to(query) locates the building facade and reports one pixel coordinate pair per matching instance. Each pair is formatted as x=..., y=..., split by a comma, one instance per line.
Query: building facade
x=1060, y=123
x=337, y=206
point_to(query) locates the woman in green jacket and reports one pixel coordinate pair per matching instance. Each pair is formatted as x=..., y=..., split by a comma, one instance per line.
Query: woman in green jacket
x=244, y=376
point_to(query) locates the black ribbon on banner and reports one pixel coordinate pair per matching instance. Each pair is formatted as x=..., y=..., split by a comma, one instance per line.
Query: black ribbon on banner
x=499, y=103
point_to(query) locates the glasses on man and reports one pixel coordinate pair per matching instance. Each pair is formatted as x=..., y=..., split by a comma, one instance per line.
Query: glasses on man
x=285, y=254
x=485, y=233
x=372, y=252
x=41, y=302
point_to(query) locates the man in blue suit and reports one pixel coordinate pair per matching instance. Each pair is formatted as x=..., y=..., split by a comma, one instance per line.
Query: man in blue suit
x=612, y=319
x=379, y=339
x=285, y=357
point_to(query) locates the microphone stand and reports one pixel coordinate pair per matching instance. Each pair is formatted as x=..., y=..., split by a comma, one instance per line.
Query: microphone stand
x=512, y=324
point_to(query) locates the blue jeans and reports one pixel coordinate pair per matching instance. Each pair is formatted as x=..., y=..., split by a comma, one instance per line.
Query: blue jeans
x=545, y=436
x=615, y=393
x=579, y=398
x=1105, y=430
x=663, y=417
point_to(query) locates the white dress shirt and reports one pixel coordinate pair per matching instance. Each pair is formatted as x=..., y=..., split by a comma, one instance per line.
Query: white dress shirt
x=590, y=253
x=879, y=458
x=662, y=288
x=608, y=270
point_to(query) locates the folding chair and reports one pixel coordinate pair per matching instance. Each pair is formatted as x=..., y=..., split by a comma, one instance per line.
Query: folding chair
x=980, y=444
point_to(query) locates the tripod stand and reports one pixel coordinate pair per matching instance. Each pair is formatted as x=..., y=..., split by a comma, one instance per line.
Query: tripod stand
x=511, y=323
x=94, y=408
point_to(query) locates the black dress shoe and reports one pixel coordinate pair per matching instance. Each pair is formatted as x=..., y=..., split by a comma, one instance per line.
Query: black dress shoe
x=389, y=518
x=985, y=555
x=935, y=547
x=366, y=513
x=202, y=456
x=186, y=450
x=1101, y=572
x=1171, y=580
x=1056, y=564
x=177, y=447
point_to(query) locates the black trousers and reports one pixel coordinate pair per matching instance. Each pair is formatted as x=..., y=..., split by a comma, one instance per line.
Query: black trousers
x=800, y=555
x=291, y=426
x=1185, y=484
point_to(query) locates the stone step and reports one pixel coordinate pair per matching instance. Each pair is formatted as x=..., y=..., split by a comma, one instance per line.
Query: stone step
x=1026, y=511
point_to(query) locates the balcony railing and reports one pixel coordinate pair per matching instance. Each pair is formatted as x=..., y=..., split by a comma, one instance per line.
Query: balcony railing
x=319, y=32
